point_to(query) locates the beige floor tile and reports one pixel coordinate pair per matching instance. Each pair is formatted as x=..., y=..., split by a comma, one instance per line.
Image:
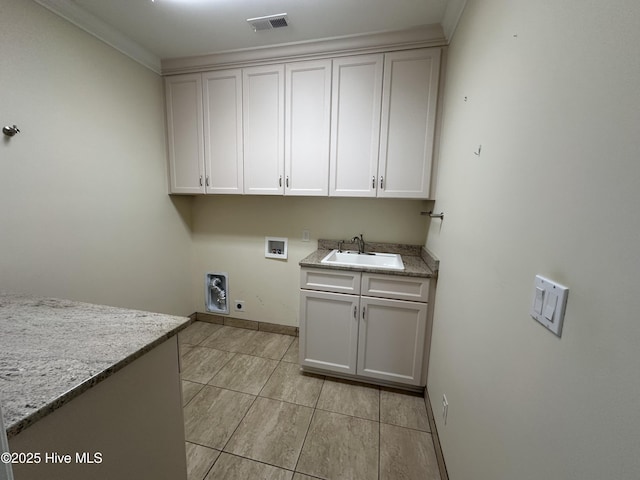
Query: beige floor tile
x=213, y=415
x=197, y=332
x=184, y=348
x=406, y=454
x=350, y=398
x=292, y=354
x=249, y=342
x=230, y=467
x=403, y=409
x=189, y=390
x=288, y=383
x=245, y=373
x=271, y=432
x=230, y=339
x=302, y=476
x=340, y=447
x=199, y=460
x=200, y=364
x=269, y=345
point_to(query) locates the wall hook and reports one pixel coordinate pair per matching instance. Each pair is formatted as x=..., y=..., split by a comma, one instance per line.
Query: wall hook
x=479, y=150
x=10, y=131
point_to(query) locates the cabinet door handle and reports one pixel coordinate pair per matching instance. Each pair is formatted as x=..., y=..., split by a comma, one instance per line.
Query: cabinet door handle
x=373, y=182
x=280, y=181
x=355, y=309
x=200, y=180
x=381, y=183
x=207, y=181
x=364, y=309
x=287, y=181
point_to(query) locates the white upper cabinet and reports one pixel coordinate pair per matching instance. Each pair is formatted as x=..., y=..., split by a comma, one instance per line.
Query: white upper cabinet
x=355, y=125
x=263, y=129
x=222, y=97
x=409, y=101
x=307, y=127
x=184, y=122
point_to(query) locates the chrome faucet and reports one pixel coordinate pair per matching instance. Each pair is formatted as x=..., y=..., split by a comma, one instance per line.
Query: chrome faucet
x=360, y=242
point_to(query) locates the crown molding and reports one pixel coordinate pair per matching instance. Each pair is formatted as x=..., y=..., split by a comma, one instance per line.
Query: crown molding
x=418, y=37
x=452, y=16
x=424, y=36
x=91, y=24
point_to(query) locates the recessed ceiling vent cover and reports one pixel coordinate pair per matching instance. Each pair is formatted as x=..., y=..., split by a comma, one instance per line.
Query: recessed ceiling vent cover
x=269, y=22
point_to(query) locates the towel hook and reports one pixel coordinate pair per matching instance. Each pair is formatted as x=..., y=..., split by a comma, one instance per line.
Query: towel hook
x=10, y=131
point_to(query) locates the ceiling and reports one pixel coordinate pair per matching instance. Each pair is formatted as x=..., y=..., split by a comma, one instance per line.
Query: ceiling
x=150, y=31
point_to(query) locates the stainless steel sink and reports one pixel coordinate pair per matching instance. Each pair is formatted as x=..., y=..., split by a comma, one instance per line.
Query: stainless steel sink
x=388, y=261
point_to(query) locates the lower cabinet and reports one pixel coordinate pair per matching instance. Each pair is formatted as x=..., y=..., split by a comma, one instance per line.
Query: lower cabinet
x=354, y=334
x=391, y=340
x=330, y=338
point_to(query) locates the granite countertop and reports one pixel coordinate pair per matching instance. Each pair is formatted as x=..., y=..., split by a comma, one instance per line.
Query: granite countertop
x=417, y=261
x=52, y=350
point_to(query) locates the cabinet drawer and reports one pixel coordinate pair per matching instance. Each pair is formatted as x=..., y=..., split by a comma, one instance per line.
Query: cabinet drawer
x=395, y=287
x=330, y=280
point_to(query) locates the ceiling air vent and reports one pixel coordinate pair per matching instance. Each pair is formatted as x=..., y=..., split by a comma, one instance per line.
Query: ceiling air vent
x=269, y=22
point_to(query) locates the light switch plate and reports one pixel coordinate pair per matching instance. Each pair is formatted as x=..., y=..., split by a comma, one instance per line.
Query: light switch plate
x=549, y=303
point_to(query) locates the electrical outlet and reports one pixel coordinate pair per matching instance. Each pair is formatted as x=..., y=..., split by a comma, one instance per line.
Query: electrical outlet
x=305, y=235
x=445, y=408
x=238, y=305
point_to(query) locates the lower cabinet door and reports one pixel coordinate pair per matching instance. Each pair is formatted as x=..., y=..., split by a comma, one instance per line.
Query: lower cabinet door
x=391, y=340
x=329, y=331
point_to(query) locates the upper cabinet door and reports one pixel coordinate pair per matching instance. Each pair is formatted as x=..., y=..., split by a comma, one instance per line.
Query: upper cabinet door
x=355, y=125
x=307, y=127
x=409, y=101
x=263, y=120
x=222, y=96
x=184, y=123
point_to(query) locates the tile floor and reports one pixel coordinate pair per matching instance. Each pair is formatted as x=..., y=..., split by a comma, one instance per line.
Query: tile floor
x=251, y=414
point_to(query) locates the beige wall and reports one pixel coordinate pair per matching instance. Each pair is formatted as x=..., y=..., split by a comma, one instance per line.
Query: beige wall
x=552, y=96
x=229, y=231
x=84, y=212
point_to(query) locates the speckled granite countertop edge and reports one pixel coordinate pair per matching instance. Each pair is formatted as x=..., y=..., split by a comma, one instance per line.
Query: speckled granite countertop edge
x=23, y=307
x=20, y=425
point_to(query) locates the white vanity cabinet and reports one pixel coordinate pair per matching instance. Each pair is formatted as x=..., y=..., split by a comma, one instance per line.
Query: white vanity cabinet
x=329, y=308
x=364, y=325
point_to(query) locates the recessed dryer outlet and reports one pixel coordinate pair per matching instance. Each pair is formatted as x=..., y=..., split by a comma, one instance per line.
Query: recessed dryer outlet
x=216, y=286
